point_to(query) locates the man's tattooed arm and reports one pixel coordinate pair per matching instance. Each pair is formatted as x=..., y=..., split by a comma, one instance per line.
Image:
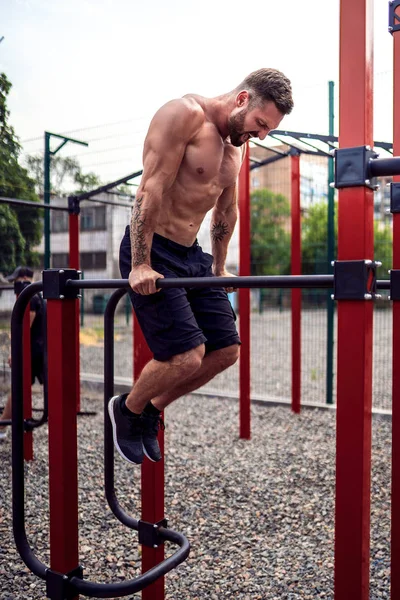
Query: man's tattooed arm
x=139, y=246
x=219, y=231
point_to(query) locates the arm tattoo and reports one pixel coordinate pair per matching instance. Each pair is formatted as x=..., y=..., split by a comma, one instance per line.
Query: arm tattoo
x=139, y=247
x=219, y=231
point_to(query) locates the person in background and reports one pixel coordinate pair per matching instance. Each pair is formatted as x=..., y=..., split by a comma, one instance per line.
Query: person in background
x=36, y=312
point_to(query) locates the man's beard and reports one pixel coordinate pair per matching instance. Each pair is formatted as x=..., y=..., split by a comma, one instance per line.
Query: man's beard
x=236, y=133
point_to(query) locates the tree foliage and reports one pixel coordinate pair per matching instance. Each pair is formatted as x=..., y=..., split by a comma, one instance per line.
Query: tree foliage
x=315, y=241
x=61, y=168
x=270, y=238
x=20, y=227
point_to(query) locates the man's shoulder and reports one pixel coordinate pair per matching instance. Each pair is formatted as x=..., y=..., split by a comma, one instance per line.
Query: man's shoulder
x=187, y=107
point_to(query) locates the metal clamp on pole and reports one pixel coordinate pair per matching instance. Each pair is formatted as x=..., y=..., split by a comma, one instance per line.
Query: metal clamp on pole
x=355, y=280
x=394, y=284
x=394, y=19
x=58, y=586
x=352, y=167
x=74, y=206
x=54, y=284
x=394, y=197
x=149, y=533
x=361, y=165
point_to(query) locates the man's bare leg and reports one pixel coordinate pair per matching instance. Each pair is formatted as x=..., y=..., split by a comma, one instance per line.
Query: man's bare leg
x=213, y=363
x=158, y=376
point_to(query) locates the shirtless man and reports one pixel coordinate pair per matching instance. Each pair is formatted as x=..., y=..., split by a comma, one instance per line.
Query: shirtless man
x=191, y=161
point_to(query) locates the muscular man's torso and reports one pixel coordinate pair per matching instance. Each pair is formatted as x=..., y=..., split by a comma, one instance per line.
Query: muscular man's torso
x=209, y=165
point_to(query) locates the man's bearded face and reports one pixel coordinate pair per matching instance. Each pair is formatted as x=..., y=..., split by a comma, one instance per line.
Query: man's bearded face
x=237, y=132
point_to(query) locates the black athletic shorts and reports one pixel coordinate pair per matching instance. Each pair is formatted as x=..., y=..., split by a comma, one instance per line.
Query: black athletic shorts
x=37, y=366
x=176, y=320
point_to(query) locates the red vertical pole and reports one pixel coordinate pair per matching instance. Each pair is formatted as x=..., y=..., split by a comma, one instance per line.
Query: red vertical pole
x=152, y=479
x=244, y=295
x=27, y=383
x=74, y=264
x=354, y=383
x=395, y=543
x=296, y=294
x=63, y=459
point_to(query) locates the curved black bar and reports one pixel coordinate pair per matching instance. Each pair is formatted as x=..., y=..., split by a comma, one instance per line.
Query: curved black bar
x=113, y=590
x=261, y=281
x=34, y=423
x=18, y=482
x=381, y=167
x=108, y=393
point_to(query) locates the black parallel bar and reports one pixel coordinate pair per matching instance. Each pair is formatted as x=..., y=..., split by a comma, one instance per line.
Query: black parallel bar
x=273, y=281
x=18, y=482
x=261, y=281
x=381, y=167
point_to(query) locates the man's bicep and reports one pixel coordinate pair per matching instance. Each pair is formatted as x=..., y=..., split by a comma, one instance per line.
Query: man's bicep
x=228, y=198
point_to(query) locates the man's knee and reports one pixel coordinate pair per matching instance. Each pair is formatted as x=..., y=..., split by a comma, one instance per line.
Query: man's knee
x=188, y=362
x=226, y=357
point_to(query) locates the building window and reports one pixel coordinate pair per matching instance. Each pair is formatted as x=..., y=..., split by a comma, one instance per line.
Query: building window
x=93, y=260
x=93, y=218
x=60, y=260
x=59, y=221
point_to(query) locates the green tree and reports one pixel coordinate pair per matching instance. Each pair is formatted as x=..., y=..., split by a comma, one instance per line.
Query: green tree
x=20, y=227
x=315, y=241
x=61, y=167
x=270, y=240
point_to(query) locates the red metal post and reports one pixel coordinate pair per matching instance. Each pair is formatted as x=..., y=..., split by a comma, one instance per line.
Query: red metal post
x=244, y=295
x=63, y=459
x=354, y=383
x=395, y=549
x=27, y=383
x=74, y=264
x=152, y=479
x=296, y=294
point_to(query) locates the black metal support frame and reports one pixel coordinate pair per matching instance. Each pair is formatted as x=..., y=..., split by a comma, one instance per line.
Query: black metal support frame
x=63, y=586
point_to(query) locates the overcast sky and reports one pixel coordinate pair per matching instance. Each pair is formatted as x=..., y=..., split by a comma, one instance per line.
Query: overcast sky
x=100, y=68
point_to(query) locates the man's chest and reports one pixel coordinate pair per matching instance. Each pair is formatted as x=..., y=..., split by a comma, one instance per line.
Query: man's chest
x=209, y=160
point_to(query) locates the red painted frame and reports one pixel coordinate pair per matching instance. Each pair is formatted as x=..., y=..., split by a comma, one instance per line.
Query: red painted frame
x=244, y=295
x=63, y=446
x=395, y=541
x=152, y=488
x=296, y=293
x=354, y=368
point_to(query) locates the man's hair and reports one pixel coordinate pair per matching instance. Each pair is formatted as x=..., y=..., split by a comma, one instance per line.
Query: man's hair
x=269, y=85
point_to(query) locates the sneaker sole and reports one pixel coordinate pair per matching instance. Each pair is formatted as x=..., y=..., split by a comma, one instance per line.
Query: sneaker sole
x=114, y=428
x=152, y=459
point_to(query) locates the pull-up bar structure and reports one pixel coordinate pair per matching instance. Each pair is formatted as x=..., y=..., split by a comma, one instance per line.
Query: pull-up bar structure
x=352, y=280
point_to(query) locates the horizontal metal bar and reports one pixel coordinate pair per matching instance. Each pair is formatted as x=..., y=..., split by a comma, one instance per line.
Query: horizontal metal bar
x=273, y=281
x=108, y=186
x=17, y=201
x=260, y=281
x=382, y=167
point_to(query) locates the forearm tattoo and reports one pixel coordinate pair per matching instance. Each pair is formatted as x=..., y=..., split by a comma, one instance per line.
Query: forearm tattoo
x=139, y=247
x=219, y=231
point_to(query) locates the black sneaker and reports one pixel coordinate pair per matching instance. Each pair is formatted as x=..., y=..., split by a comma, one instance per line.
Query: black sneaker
x=151, y=423
x=127, y=431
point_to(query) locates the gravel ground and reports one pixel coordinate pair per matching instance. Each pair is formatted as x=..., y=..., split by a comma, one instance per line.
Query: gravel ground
x=258, y=513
